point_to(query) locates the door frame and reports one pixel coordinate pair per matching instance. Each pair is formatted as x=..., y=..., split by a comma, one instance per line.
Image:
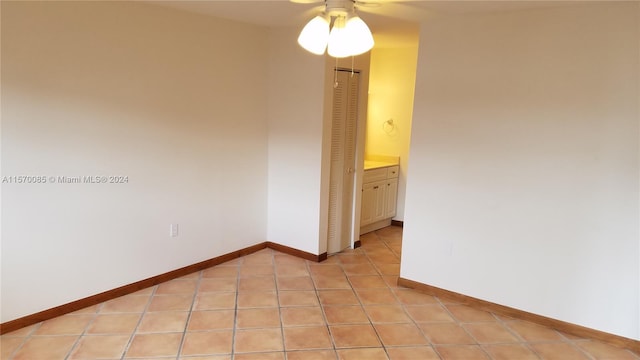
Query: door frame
x=360, y=63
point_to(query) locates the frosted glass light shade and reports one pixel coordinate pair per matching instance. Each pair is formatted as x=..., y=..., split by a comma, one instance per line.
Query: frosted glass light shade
x=314, y=35
x=339, y=40
x=360, y=38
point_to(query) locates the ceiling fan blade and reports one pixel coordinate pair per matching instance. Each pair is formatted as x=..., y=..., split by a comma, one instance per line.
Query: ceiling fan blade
x=399, y=10
x=314, y=11
x=306, y=1
x=368, y=4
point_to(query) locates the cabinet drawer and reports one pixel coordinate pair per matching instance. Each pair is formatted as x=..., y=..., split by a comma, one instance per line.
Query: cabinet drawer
x=374, y=175
x=392, y=172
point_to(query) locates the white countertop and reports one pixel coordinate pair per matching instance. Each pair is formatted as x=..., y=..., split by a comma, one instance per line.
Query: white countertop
x=370, y=164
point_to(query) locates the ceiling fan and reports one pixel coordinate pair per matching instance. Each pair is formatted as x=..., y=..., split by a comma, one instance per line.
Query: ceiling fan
x=349, y=36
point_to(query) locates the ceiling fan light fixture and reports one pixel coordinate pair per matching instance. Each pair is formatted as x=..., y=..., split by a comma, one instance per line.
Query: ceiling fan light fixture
x=315, y=35
x=339, y=39
x=359, y=35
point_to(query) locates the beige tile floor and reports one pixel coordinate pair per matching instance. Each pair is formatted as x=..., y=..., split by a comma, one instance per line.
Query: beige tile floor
x=272, y=306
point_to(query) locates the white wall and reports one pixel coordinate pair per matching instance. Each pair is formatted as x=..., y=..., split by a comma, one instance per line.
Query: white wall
x=391, y=94
x=524, y=169
x=295, y=103
x=170, y=100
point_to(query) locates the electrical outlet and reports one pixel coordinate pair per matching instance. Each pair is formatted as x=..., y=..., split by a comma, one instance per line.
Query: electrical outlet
x=173, y=230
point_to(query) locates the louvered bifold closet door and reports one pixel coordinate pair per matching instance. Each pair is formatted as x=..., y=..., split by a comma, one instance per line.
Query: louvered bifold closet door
x=342, y=172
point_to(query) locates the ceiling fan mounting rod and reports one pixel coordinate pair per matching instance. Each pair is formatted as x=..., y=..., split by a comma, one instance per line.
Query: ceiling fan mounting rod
x=339, y=7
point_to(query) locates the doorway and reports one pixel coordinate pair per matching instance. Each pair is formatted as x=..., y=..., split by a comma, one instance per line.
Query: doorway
x=344, y=119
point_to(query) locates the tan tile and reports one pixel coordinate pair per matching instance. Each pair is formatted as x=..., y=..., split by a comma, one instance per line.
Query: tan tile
x=413, y=297
x=412, y=353
x=100, y=347
x=393, y=232
x=260, y=356
x=400, y=334
x=251, y=299
x=287, y=270
x=215, y=301
x=190, y=276
x=570, y=336
x=428, y=313
x=490, y=333
x=312, y=355
x=462, y=352
x=88, y=310
x=65, y=325
x=171, y=303
x=210, y=357
x=294, y=283
x=220, y=271
x=331, y=260
x=603, y=351
x=391, y=281
x=22, y=332
x=298, y=298
x=389, y=269
x=211, y=320
x=389, y=258
x=207, y=343
x=326, y=270
x=361, y=354
x=558, y=351
x=144, y=345
x=163, y=321
x=367, y=282
x=177, y=287
x=128, y=303
x=114, y=324
x=331, y=282
x=533, y=332
x=306, y=338
x=359, y=269
x=145, y=292
x=510, y=352
x=386, y=314
x=45, y=348
x=256, y=270
x=264, y=258
x=376, y=296
x=341, y=314
x=258, y=340
x=302, y=316
x=352, y=336
x=352, y=259
x=258, y=318
x=8, y=345
x=338, y=297
x=446, y=333
x=468, y=314
x=444, y=300
x=282, y=259
x=262, y=283
x=218, y=284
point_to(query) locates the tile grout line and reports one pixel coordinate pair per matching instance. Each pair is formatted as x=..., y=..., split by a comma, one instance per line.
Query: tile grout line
x=25, y=339
x=324, y=316
x=83, y=333
x=275, y=281
x=384, y=347
x=189, y=313
x=235, y=308
x=135, y=329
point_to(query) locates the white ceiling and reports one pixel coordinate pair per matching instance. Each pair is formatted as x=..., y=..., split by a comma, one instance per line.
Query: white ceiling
x=393, y=22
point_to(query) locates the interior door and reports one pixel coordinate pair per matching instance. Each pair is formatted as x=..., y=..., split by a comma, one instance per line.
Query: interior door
x=343, y=154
